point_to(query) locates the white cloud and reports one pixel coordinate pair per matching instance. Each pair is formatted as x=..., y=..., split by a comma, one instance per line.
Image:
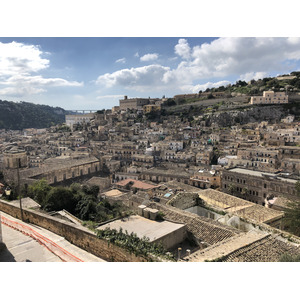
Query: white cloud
x=217, y=61
x=235, y=56
x=226, y=57
x=149, y=56
x=105, y=97
x=20, y=91
x=19, y=63
x=136, y=54
x=39, y=80
x=249, y=76
x=121, y=60
x=17, y=58
x=183, y=49
x=141, y=78
x=203, y=87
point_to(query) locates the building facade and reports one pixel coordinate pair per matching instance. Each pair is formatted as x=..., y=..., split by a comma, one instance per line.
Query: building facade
x=135, y=103
x=270, y=97
x=255, y=186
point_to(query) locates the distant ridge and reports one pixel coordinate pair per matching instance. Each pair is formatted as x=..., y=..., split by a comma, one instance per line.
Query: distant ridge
x=21, y=115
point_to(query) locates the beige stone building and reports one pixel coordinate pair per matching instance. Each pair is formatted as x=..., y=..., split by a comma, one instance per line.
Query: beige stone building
x=14, y=158
x=255, y=186
x=150, y=107
x=205, y=179
x=55, y=171
x=270, y=97
x=72, y=120
x=135, y=103
x=205, y=156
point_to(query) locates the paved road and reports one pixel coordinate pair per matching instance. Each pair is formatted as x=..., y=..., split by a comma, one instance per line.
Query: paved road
x=21, y=247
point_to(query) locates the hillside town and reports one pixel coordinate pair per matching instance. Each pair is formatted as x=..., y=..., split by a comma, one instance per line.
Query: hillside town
x=209, y=178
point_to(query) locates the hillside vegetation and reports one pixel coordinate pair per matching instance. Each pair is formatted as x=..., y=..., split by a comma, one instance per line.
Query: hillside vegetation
x=20, y=115
x=240, y=88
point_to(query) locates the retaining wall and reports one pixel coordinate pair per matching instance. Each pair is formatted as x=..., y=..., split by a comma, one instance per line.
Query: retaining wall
x=73, y=233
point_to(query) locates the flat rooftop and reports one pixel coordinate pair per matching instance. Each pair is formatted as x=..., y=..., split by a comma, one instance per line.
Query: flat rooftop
x=113, y=193
x=154, y=230
x=260, y=174
x=136, y=184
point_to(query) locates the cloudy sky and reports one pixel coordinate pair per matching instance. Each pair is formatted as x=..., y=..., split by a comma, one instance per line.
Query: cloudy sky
x=94, y=73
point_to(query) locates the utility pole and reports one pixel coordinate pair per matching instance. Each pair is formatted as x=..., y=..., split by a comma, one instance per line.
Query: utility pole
x=19, y=191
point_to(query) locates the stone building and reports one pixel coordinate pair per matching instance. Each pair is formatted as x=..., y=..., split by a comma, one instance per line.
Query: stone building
x=255, y=186
x=205, y=179
x=205, y=156
x=289, y=152
x=165, y=175
x=135, y=103
x=259, y=158
x=72, y=120
x=151, y=107
x=290, y=165
x=56, y=172
x=270, y=97
x=142, y=160
x=14, y=158
x=123, y=151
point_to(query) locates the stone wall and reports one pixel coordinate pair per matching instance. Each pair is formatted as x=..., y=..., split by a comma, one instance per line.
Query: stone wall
x=184, y=200
x=75, y=234
x=205, y=231
x=173, y=238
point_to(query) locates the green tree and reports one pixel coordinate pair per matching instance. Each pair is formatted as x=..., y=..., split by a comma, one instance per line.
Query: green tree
x=39, y=191
x=60, y=198
x=170, y=102
x=292, y=213
x=231, y=188
x=91, y=190
x=87, y=208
